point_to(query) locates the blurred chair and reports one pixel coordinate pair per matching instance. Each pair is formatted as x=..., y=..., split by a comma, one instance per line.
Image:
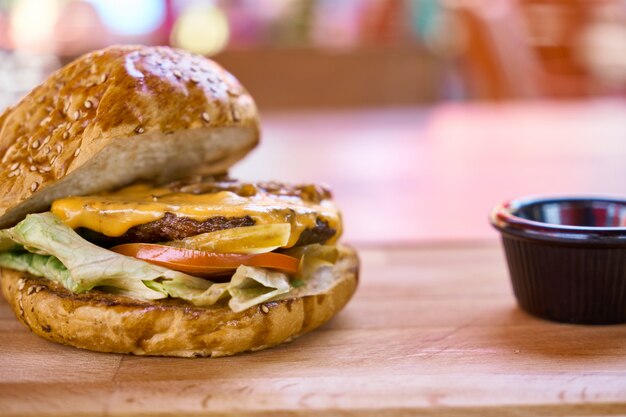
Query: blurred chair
x=524, y=48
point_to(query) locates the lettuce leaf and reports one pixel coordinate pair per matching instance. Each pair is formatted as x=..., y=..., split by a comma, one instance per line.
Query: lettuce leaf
x=315, y=274
x=86, y=266
x=245, y=291
x=38, y=265
x=44, y=246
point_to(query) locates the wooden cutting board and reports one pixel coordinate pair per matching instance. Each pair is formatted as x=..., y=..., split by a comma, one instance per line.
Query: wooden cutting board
x=432, y=330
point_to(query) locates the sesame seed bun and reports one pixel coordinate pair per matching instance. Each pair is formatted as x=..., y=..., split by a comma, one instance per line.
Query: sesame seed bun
x=118, y=115
x=123, y=115
x=110, y=323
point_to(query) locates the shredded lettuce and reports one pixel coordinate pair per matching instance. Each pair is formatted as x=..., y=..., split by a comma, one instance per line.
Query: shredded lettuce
x=44, y=246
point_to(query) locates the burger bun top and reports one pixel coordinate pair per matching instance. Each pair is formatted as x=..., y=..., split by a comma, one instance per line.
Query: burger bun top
x=120, y=115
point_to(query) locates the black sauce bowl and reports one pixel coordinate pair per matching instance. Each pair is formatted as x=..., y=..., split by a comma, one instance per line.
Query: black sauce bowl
x=566, y=256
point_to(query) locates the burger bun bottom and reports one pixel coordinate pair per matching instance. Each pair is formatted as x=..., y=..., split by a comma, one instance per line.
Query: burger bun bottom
x=106, y=322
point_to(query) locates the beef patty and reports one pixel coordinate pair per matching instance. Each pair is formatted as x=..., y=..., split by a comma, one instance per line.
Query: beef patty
x=172, y=227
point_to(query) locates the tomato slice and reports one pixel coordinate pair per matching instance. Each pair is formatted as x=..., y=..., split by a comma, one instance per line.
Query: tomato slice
x=202, y=263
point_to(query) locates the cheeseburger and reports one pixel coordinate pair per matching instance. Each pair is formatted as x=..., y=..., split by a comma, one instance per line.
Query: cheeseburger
x=121, y=230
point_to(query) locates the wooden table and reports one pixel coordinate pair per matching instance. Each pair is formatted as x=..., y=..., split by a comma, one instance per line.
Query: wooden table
x=433, y=328
x=431, y=331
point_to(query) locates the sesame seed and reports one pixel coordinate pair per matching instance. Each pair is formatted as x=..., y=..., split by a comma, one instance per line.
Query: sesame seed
x=206, y=117
x=12, y=174
x=45, y=169
x=31, y=290
x=45, y=121
x=195, y=79
x=21, y=284
x=102, y=79
x=66, y=135
x=46, y=150
x=59, y=148
x=235, y=113
x=177, y=74
x=35, y=144
x=265, y=309
x=77, y=152
x=76, y=115
x=41, y=99
x=32, y=168
x=15, y=166
x=34, y=186
x=88, y=104
x=45, y=140
x=30, y=159
x=139, y=130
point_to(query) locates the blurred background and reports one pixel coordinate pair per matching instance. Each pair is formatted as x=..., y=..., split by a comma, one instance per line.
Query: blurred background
x=342, y=53
x=438, y=108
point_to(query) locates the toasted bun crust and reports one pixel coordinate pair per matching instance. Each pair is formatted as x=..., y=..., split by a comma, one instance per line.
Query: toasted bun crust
x=116, y=116
x=109, y=323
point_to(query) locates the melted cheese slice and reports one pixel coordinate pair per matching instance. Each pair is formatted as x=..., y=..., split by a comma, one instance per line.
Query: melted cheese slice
x=112, y=214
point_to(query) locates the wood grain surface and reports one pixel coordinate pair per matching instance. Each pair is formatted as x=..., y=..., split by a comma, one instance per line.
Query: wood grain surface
x=433, y=330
